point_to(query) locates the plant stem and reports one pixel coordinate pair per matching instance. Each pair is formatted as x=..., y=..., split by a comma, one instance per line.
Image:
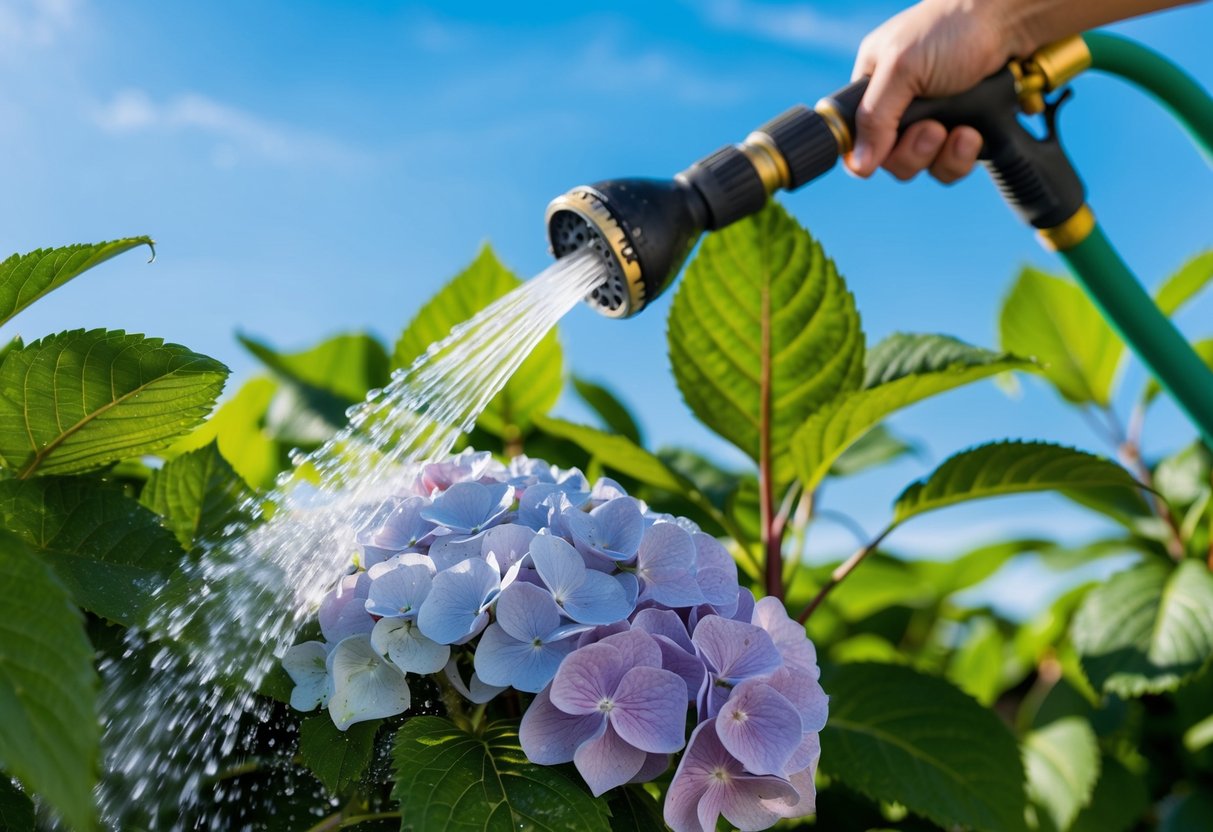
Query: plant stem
x=354, y=820
x=840, y=573
x=772, y=526
x=1130, y=455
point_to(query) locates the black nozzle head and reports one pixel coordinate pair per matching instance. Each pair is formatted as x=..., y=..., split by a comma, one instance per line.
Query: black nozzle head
x=643, y=228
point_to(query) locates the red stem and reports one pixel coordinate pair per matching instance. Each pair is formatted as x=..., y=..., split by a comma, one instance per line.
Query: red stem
x=772, y=525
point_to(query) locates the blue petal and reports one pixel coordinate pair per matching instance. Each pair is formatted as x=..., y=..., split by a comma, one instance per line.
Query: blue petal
x=558, y=564
x=525, y=665
x=527, y=612
x=454, y=609
x=599, y=600
x=407, y=648
x=365, y=685
x=398, y=587
x=470, y=507
x=307, y=665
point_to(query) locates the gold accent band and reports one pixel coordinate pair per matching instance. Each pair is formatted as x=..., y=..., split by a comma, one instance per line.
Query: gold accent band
x=1070, y=233
x=837, y=124
x=1060, y=62
x=590, y=207
x=772, y=167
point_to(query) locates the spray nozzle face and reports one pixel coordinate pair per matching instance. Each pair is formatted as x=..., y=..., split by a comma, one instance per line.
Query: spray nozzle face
x=643, y=228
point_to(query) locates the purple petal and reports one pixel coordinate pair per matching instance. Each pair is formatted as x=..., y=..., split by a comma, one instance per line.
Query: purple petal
x=600, y=599
x=588, y=677
x=735, y=650
x=654, y=766
x=527, y=612
x=637, y=648
x=789, y=637
x=526, y=665
x=399, y=587
x=612, y=530
x=597, y=634
x=307, y=665
x=664, y=623
x=477, y=691
x=454, y=611
x=365, y=685
x=802, y=689
x=665, y=563
x=549, y=736
x=542, y=505
x=402, y=642
x=606, y=761
x=558, y=564
x=469, y=507
x=688, y=666
x=343, y=611
x=759, y=727
x=650, y=710
x=468, y=465
x=804, y=759
x=404, y=528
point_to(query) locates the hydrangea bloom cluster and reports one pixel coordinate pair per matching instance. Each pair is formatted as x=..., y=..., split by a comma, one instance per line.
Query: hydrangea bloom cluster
x=629, y=626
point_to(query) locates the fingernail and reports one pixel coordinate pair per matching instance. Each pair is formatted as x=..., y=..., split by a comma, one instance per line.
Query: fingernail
x=861, y=157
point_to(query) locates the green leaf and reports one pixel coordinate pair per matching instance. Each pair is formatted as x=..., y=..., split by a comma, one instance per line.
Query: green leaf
x=1003, y=468
x=447, y=780
x=762, y=333
x=1146, y=629
x=49, y=734
x=337, y=758
x=16, y=810
x=905, y=369
x=1053, y=321
x=897, y=735
x=1062, y=763
x=1182, y=286
x=977, y=665
x=198, y=494
x=80, y=400
x=1119, y=800
x=111, y=552
x=16, y=343
x=879, y=446
x=634, y=810
x=533, y=389
x=613, y=412
x=238, y=425
x=1204, y=349
x=26, y=277
x=346, y=365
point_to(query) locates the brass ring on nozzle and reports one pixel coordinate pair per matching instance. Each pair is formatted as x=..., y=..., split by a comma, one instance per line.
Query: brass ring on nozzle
x=837, y=124
x=585, y=203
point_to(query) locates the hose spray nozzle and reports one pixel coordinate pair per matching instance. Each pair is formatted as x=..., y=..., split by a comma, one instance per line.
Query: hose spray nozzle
x=645, y=228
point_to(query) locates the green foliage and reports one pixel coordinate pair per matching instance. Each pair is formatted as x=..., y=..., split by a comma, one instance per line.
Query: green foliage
x=337, y=758
x=877, y=447
x=977, y=665
x=634, y=810
x=1148, y=628
x=614, y=413
x=1184, y=284
x=108, y=550
x=345, y=366
x=24, y=278
x=48, y=730
x=83, y=399
x=198, y=495
x=532, y=390
x=239, y=428
x=901, y=371
x=1003, y=468
x=1119, y=799
x=448, y=780
x=1062, y=763
x=762, y=333
x=899, y=735
x=1051, y=320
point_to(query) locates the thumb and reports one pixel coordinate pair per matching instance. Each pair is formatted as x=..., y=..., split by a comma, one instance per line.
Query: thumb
x=889, y=93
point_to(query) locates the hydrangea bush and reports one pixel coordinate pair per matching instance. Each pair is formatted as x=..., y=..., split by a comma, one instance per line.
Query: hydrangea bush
x=627, y=627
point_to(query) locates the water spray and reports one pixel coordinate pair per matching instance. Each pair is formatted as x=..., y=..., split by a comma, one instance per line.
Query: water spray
x=643, y=229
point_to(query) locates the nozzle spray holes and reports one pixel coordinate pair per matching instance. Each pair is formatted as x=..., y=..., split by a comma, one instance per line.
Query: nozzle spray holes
x=570, y=232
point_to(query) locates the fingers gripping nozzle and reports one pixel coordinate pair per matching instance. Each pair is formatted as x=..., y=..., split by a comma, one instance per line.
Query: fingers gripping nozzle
x=645, y=228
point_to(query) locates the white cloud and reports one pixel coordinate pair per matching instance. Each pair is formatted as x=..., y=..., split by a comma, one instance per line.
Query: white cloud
x=34, y=23
x=794, y=24
x=604, y=67
x=240, y=135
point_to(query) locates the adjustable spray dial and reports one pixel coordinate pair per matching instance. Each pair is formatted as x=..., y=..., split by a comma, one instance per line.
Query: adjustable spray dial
x=645, y=228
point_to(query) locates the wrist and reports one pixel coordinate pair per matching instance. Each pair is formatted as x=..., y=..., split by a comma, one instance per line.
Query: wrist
x=1022, y=26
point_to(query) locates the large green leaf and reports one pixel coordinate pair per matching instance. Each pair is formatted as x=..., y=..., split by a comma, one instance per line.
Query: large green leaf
x=1062, y=763
x=533, y=389
x=111, y=552
x=1182, y=286
x=83, y=399
x=337, y=758
x=198, y=495
x=762, y=333
x=346, y=365
x=1119, y=800
x=49, y=734
x=879, y=446
x=1148, y=628
x=239, y=427
x=450, y=781
x=1003, y=468
x=897, y=735
x=634, y=810
x=1053, y=321
x=977, y=665
x=904, y=369
x=26, y=277
x=614, y=413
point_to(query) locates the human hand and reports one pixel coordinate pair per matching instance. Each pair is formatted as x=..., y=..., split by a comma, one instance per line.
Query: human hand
x=935, y=48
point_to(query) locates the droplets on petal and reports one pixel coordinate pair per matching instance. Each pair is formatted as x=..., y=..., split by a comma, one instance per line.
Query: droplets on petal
x=306, y=664
x=402, y=642
x=365, y=685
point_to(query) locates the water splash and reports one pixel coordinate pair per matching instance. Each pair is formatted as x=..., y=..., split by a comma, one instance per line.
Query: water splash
x=180, y=700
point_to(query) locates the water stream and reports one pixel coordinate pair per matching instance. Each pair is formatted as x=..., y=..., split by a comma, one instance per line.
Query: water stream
x=177, y=705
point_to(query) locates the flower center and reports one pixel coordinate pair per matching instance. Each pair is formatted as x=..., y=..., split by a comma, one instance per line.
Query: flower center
x=720, y=774
x=606, y=706
x=740, y=716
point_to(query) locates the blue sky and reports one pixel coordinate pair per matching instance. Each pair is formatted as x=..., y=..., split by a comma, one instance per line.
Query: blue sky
x=312, y=167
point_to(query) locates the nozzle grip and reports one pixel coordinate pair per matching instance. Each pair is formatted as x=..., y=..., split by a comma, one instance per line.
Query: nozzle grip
x=1033, y=174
